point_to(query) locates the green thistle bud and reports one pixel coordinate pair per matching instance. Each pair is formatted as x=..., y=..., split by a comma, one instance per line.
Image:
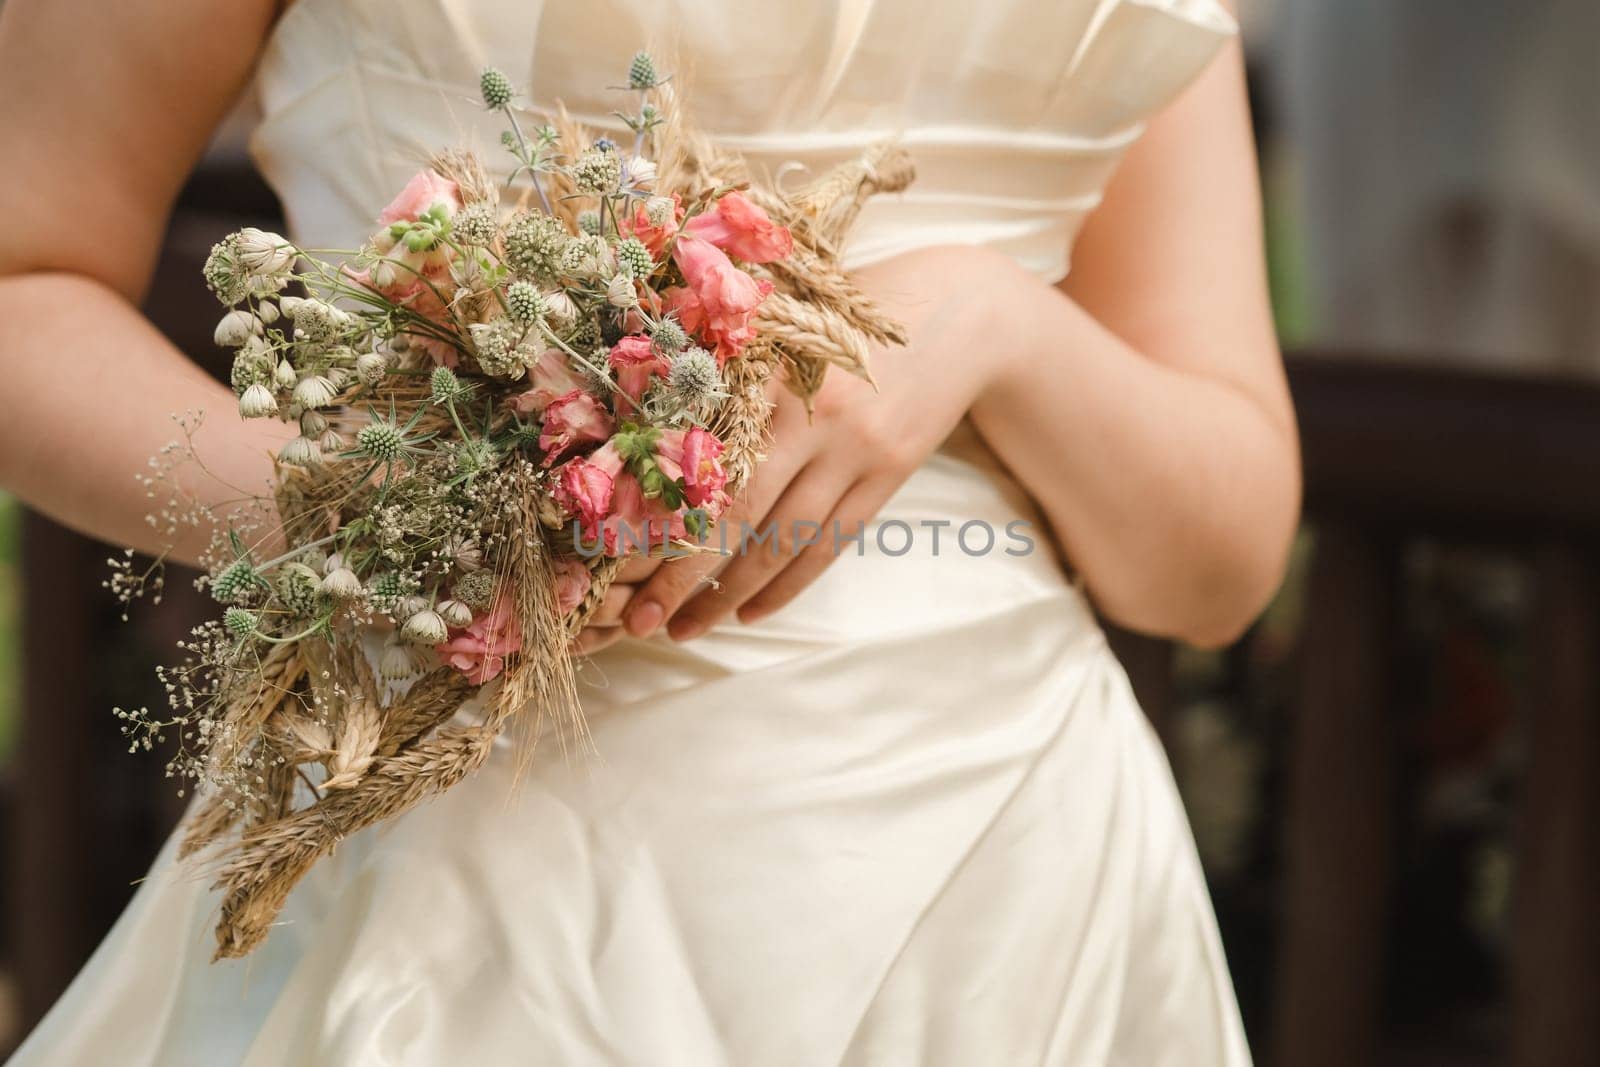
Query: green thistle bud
x=381, y=441
x=241, y=623
x=447, y=388
x=236, y=581
x=633, y=258
x=496, y=88
x=669, y=337
x=589, y=222
x=642, y=72
x=524, y=302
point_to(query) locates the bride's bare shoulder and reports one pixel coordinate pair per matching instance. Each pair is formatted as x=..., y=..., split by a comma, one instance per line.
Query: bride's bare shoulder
x=121, y=100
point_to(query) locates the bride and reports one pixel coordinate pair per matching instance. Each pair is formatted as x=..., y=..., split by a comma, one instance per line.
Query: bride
x=852, y=804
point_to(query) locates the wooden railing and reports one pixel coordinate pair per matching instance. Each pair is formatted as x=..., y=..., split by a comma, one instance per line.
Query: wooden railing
x=1396, y=452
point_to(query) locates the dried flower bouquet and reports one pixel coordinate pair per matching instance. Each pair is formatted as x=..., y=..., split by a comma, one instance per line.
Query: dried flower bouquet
x=495, y=407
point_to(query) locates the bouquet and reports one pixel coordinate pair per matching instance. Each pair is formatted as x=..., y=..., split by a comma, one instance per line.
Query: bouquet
x=499, y=397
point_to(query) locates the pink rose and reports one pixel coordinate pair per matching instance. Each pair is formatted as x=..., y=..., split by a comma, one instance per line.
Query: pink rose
x=635, y=521
x=479, y=651
x=695, y=456
x=551, y=377
x=570, y=420
x=655, y=238
x=742, y=229
x=572, y=585
x=585, y=485
x=635, y=361
x=720, y=298
x=424, y=190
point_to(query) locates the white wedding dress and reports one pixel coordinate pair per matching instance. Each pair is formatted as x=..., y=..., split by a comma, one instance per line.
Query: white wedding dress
x=914, y=818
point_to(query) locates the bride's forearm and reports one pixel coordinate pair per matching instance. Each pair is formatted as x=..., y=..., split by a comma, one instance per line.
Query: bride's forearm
x=90, y=386
x=1173, y=494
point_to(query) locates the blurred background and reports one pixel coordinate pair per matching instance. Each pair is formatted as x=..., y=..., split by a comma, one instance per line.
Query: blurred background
x=1394, y=778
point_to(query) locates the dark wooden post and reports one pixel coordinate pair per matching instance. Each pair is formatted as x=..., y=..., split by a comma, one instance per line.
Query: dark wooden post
x=53, y=931
x=1556, y=955
x=1339, y=825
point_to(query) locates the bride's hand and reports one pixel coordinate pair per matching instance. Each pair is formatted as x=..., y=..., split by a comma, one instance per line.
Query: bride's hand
x=839, y=466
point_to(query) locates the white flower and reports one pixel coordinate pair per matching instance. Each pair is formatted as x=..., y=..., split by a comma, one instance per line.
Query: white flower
x=257, y=402
x=620, y=292
x=236, y=327
x=341, y=582
x=454, y=613
x=301, y=452
x=560, y=306
x=640, y=174
x=425, y=628
x=267, y=311
x=397, y=662
x=659, y=210
x=385, y=274
x=313, y=392
x=285, y=375
x=371, y=367
x=264, y=254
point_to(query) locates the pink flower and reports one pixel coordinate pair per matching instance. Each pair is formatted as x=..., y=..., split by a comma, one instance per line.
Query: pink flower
x=635, y=521
x=479, y=651
x=570, y=420
x=635, y=361
x=552, y=376
x=572, y=585
x=695, y=456
x=742, y=229
x=720, y=299
x=420, y=294
x=655, y=237
x=424, y=190
x=585, y=485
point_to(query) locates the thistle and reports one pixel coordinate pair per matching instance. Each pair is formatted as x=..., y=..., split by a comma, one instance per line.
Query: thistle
x=633, y=258
x=642, y=72
x=496, y=89
x=446, y=387
x=236, y=582
x=693, y=376
x=525, y=304
x=241, y=623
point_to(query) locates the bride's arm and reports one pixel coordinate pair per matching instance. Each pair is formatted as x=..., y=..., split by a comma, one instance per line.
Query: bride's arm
x=1147, y=411
x=109, y=107
x=1142, y=404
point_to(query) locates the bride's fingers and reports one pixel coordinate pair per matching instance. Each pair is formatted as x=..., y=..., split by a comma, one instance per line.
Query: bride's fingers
x=638, y=569
x=795, y=522
x=593, y=639
x=854, y=512
x=609, y=613
x=665, y=591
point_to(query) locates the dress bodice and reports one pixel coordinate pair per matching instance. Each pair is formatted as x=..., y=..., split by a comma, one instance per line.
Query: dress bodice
x=1015, y=111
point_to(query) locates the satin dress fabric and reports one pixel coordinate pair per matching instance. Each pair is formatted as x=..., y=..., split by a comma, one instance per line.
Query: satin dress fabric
x=916, y=817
